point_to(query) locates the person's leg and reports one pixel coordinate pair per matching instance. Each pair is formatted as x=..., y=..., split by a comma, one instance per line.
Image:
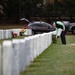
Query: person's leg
x=66, y=29
x=63, y=39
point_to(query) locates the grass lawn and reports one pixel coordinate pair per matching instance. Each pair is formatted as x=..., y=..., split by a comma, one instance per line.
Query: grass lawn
x=57, y=59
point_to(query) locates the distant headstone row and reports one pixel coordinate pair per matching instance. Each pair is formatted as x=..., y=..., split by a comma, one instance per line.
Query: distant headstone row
x=5, y=34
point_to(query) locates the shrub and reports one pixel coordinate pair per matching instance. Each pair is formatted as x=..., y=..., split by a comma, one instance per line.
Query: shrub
x=54, y=39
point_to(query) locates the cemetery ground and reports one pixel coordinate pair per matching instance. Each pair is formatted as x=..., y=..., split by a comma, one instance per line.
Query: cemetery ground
x=11, y=26
x=57, y=59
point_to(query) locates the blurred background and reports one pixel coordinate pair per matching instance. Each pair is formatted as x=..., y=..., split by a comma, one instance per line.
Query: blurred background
x=11, y=11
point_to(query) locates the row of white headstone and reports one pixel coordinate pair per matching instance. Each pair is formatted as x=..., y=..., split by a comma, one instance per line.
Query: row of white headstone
x=17, y=54
x=5, y=34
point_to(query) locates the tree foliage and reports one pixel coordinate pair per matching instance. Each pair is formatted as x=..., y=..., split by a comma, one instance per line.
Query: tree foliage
x=14, y=10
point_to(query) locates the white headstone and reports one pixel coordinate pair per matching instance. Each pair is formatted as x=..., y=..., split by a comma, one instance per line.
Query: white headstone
x=0, y=61
x=7, y=58
x=16, y=58
x=22, y=54
x=27, y=51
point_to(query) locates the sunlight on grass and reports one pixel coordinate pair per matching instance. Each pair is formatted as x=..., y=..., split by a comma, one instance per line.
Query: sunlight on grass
x=57, y=59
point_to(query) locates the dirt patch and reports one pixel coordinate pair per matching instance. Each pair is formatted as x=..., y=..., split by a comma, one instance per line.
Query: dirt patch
x=73, y=44
x=11, y=26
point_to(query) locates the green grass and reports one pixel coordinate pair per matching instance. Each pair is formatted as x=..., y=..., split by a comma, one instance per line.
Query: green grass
x=57, y=59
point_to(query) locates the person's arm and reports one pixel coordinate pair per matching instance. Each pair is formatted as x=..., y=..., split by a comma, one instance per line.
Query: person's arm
x=54, y=24
x=56, y=30
x=60, y=23
x=63, y=27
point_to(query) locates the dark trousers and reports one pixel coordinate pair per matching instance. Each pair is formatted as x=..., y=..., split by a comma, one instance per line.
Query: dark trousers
x=63, y=39
x=66, y=29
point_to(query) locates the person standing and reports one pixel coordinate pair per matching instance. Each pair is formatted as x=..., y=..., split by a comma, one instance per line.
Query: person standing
x=59, y=24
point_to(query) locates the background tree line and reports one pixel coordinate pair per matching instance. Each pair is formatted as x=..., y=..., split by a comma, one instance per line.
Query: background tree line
x=13, y=10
